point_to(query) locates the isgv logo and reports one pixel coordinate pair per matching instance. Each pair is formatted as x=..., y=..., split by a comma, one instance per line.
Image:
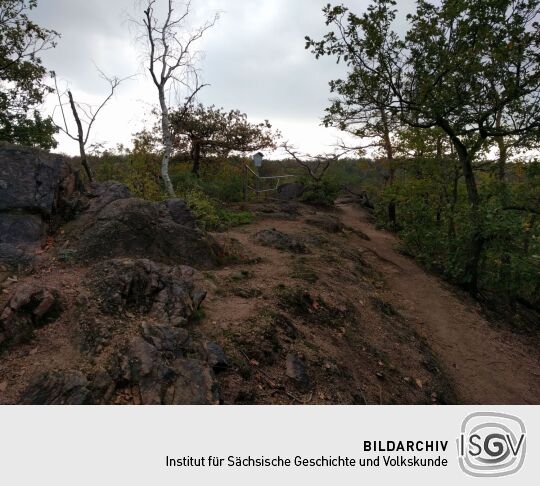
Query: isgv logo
x=491, y=444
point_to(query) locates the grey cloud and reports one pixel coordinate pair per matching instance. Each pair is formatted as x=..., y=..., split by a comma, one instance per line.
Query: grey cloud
x=254, y=60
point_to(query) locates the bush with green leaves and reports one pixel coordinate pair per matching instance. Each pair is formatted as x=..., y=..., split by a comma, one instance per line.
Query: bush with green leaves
x=322, y=193
x=211, y=214
x=435, y=228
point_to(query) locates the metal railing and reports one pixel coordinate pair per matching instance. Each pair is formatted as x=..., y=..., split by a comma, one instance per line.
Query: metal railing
x=259, y=182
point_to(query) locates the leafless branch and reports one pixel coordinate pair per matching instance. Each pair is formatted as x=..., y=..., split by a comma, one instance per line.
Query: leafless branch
x=315, y=165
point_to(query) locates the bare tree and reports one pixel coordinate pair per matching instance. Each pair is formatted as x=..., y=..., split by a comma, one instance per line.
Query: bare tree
x=89, y=116
x=172, y=62
x=315, y=165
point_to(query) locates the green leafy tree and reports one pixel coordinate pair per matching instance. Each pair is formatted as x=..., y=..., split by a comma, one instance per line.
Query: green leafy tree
x=22, y=85
x=211, y=131
x=362, y=104
x=469, y=67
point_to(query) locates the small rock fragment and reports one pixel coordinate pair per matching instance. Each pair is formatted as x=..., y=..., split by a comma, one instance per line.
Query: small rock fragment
x=296, y=370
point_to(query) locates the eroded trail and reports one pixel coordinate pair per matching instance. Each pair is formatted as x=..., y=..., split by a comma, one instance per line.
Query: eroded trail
x=487, y=364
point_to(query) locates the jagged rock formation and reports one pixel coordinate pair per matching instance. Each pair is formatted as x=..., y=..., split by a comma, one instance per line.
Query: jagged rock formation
x=124, y=311
x=167, y=293
x=38, y=191
x=29, y=307
x=143, y=229
x=140, y=313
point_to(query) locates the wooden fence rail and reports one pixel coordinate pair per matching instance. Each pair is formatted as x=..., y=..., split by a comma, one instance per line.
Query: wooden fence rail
x=248, y=171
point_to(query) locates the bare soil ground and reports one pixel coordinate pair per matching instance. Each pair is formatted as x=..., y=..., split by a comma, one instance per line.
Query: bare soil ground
x=340, y=318
x=379, y=329
x=487, y=364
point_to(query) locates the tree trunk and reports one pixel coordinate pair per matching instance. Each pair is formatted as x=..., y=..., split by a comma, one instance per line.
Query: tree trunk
x=477, y=241
x=503, y=156
x=503, y=152
x=167, y=144
x=453, y=204
x=392, y=171
x=196, y=157
x=80, y=139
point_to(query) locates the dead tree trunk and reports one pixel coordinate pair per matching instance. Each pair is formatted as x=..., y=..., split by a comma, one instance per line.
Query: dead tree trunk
x=80, y=138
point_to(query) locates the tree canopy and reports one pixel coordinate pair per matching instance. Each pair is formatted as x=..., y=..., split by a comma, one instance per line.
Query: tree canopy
x=22, y=76
x=211, y=131
x=468, y=67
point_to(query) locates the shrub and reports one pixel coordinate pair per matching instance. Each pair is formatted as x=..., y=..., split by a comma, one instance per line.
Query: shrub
x=322, y=193
x=211, y=215
x=143, y=178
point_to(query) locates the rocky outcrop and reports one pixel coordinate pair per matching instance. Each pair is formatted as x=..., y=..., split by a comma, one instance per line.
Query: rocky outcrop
x=142, y=286
x=30, y=307
x=157, y=377
x=38, y=191
x=149, y=356
x=327, y=223
x=58, y=387
x=35, y=181
x=136, y=228
x=280, y=241
x=128, y=304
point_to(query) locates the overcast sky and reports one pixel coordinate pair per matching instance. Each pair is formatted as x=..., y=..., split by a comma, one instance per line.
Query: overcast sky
x=254, y=61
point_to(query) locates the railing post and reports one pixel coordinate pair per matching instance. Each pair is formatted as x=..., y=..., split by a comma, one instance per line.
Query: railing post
x=245, y=184
x=258, y=188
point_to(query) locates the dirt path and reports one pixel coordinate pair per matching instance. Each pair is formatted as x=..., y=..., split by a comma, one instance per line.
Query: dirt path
x=488, y=365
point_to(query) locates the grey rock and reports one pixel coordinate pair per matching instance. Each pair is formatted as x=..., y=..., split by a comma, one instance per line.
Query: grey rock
x=180, y=213
x=138, y=228
x=156, y=380
x=166, y=338
x=288, y=192
x=15, y=257
x=38, y=193
x=280, y=241
x=170, y=294
x=326, y=222
x=16, y=228
x=60, y=387
x=35, y=181
x=30, y=307
x=296, y=371
x=194, y=384
x=100, y=195
x=215, y=356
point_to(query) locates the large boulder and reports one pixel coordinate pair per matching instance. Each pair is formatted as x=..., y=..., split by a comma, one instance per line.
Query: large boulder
x=35, y=181
x=291, y=191
x=136, y=228
x=30, y=306
x=38, y=192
